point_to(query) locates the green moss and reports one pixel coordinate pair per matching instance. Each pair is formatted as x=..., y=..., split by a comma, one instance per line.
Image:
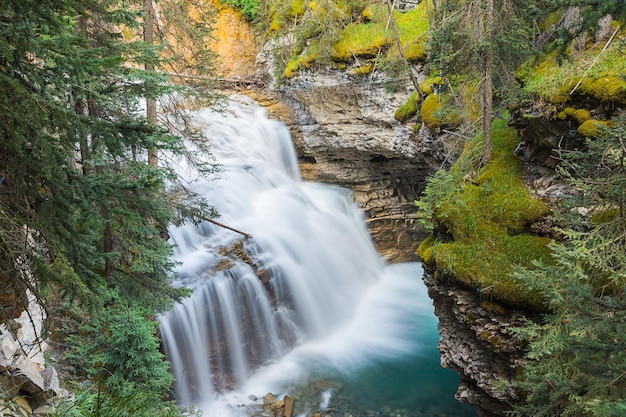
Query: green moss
x=436, y=112
x=363, y=40
x=569, y=111
x=590, y=128
x=304, y=60
x=413, y=29
x=277, y=22
x=408, y=109
x=430, y=84
x=425, y=249
x=606, y=87
x=363, y=69
x=582, y=115
x=591, y=72
x=292, y=67
x=367, y=39
x=488, y=220
x=298, y=7
x=377, y=12
x=551, y=20
x=605, y=215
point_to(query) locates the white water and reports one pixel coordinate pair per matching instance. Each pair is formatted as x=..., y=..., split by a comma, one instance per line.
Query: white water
x=338, y=306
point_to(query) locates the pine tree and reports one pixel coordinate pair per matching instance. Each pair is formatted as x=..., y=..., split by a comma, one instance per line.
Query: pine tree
x=475, y=40
x=80, y=206
x=577, y=356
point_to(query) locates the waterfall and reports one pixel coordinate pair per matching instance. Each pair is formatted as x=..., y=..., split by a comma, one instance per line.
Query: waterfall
x=306, y=297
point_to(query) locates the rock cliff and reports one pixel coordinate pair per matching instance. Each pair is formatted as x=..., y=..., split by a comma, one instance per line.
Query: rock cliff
x=345, y=134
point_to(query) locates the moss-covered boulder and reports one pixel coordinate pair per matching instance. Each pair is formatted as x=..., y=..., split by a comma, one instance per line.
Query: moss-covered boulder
x=487, y=217
x=437, y=111
x=596, y=72
x=409, y=108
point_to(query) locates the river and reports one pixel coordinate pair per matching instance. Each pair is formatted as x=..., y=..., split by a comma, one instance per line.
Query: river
x=306, y=306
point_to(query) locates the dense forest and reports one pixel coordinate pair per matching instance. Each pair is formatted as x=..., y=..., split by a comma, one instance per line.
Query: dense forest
x=86, y=193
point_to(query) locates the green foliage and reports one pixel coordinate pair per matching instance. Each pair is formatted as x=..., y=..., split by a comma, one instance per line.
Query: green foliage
x=577, y=353
x=457, y=47
x=94, y=402
x=249, y=8
x=480, y=220
x=79, y=203
x=118, y=349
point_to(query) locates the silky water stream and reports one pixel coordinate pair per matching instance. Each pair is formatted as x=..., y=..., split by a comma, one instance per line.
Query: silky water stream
x=304, y=307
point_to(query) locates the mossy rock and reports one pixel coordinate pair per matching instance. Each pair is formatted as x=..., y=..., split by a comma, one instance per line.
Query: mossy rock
x=607, y=88
x=567, y=112
x=551, y=20
x=363, y=69
x=363, y=40
x=425, y=249
x=304, y=60
x=298, y=7
x=377, y=12
x=430, y=84
x=368, y=39
x=581, y=115
x=413, y=28
x=409, y=108
x=592, y=127
x=436, y=112
x=292, y=67
x=488, y=217
x=277, y=22
x=485, y=262
x=594, y=72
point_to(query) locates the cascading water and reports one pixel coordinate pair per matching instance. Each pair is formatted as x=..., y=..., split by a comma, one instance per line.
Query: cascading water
x=306, y=299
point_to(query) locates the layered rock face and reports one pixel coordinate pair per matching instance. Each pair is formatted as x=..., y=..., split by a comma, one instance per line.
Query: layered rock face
x=345, y=134
x=476, y=342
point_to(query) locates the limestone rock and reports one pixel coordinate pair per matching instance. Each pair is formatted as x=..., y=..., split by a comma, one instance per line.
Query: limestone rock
x=345, y=134
x=288, y=411
x=475, y=341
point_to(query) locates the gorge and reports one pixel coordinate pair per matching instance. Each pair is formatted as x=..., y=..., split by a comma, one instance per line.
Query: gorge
x=304, y=308
x=327, y=227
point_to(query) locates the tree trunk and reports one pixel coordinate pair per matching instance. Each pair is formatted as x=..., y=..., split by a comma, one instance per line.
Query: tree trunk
x=148, y=37
x=487, y=91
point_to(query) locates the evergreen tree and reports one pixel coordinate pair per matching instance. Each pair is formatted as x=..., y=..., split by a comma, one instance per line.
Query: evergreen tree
x=80, y=206
x=577, y=357
x=475, y=40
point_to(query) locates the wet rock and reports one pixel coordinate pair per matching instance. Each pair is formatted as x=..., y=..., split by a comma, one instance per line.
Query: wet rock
x=288, y=409
x=476, y=342
x=345, y=134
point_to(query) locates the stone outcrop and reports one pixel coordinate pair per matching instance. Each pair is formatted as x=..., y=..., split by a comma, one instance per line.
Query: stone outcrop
x=476, y=342
x=345, y=134
x=26, y=382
